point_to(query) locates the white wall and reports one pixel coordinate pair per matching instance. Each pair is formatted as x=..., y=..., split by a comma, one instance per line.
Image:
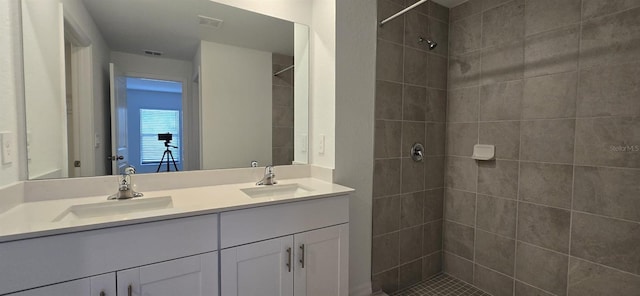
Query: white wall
x=301, y=94
x=100, y=56
x=195, y=158
x=323, y=82
x=319, y=15
x=235, y=106
x=355, y=93
x=9, y=39
x=43, y=45
x=298, y=11
x=133, y=64
x=44, y=88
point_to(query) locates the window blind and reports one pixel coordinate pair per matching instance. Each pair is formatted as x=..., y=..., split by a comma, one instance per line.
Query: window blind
x=152, y=123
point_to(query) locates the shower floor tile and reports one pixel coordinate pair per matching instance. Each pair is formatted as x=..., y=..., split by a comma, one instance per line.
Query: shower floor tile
x=441, y=285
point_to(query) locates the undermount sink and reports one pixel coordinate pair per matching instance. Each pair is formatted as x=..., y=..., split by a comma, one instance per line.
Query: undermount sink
x=115, y=207
x=276, y=190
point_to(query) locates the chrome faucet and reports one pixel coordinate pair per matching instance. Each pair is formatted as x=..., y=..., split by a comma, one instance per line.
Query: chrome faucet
x=125, y=186
x=269, y=177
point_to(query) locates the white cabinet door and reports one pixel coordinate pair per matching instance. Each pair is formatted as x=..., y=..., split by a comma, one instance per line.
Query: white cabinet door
x=322, y=262
x=103, y=285
x=259, y=269
x=190, y=276
x=94, y=286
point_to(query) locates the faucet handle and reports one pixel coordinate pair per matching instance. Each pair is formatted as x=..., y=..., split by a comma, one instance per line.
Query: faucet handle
x=125, y=186
x=269, y=176
x=129, y=170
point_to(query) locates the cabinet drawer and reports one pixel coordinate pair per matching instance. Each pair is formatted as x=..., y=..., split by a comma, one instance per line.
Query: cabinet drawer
x=42, y=261
x=256, y=224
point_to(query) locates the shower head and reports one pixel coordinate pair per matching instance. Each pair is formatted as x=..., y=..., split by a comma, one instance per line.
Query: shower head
x=432, y=44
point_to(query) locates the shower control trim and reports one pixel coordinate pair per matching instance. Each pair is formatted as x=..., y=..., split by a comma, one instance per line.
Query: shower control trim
x=417, y=152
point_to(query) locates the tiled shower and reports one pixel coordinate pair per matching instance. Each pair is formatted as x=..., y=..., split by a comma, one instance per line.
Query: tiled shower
x=411, y=90
x=282, y=110
x=555, y=86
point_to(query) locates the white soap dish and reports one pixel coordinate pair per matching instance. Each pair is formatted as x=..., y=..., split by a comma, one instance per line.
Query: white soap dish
x=484, y=152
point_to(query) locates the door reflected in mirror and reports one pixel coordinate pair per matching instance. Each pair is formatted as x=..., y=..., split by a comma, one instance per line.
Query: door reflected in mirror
x=106, y=81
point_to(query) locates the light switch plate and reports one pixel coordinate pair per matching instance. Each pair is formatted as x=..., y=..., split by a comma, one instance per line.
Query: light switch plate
x=321, y=144
x=28, y=145
x=303, y=143
x=7, y=148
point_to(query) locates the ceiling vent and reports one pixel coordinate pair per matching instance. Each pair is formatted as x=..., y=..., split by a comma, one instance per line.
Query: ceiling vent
x=152, y=53
x=210, y=22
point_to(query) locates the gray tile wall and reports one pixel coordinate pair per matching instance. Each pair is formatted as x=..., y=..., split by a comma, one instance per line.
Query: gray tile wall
x=282, y=111
x=411, y=93
x=555, y=85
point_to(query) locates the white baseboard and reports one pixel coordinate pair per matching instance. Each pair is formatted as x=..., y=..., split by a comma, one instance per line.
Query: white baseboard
x=362, y=290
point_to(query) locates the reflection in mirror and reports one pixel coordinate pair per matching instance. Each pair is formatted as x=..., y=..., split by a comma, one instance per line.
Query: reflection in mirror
x=161, y=85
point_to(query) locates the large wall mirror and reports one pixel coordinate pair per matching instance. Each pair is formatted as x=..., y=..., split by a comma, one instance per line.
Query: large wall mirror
x=161, y=85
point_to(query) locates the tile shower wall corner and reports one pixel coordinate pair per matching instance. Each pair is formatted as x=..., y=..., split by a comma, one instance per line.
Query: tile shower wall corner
x=282, y=121
x=410, y=107
x=554, y=85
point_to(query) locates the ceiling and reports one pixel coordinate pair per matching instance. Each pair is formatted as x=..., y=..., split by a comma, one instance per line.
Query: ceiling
x=449, y=3
x=172, y=27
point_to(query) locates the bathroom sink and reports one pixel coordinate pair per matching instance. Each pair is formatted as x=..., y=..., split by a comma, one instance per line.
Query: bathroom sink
x=276, y=190
x=115, y=207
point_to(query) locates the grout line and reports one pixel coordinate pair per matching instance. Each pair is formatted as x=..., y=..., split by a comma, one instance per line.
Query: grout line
x=411, y=84
x=605, y=15
x=404, y=28
x=606, y=217
x=424, y=175
x=446, y=143
x=542, y=248
x=477, y=167
x=457, y=222
x=544, y=119
x=608, y=65
x=575, y=142
x=553, y=163
x=401, y=194
x=515, y=234
x=532, y=286
x=605, y=266
x=414, y=48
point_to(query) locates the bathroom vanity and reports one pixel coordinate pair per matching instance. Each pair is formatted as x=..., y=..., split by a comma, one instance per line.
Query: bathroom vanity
x=233, y=239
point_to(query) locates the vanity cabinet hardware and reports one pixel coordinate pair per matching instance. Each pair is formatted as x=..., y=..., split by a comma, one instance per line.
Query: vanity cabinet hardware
x=289, y=259
x=130, y=290
x=302, y=255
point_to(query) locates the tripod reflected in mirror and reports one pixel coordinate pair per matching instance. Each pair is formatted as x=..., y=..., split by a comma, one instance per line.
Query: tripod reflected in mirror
x=167, y=138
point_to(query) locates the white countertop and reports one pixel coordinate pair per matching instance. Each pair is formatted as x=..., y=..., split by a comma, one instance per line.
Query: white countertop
x=36, y=219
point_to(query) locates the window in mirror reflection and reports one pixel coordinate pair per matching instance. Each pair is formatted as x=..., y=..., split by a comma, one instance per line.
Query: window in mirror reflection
x=153, y=123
